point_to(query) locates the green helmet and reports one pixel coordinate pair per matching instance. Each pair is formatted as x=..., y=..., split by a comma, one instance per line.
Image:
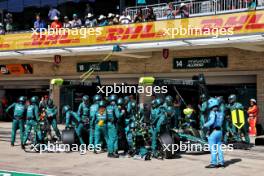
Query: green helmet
x=120, y=101
x=50, y=103
x=168, y=99
x=159, y=101
x=203, y=97
x=97, y=98
x=170, y=109
x=113, y=97
x=34, y=99
x=232, y=98
x=22, y=99
x=126, y=98
x=65, y=109
x=153, y=103
x=102, y=103
x=107, y=99
x=85, y=98
x=220, y=99
x=133, y=104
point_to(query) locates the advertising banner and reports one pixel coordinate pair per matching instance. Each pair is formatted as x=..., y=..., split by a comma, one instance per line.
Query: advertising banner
x=250, y=22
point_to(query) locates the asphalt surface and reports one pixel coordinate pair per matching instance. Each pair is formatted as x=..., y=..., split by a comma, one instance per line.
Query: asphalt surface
x=239, y=162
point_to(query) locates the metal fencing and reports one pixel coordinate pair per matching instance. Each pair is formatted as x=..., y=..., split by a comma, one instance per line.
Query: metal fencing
x=200, y=8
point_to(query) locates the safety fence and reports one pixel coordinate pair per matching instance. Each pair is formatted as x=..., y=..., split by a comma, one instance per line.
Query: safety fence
x=199, y=8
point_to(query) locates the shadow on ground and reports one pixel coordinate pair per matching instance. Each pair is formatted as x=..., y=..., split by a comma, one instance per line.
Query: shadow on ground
x=232, y=161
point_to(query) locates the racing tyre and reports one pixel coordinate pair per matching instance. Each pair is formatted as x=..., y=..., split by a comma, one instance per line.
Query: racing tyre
x=68, y=137
x=177, y=140
x=165, y=139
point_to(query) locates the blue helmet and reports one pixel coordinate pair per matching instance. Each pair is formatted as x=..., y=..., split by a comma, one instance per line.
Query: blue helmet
x=97, y=98
x=113, y=97
x=213, y=102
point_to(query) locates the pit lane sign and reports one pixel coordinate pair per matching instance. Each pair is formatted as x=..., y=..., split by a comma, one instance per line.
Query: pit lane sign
x=98, y=66
x=200, y=62
x=238, y=118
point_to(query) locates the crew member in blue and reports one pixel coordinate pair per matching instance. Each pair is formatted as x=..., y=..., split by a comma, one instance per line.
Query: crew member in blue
x=214, y=123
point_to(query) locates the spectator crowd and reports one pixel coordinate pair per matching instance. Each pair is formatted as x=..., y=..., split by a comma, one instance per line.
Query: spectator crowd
x=57, y=20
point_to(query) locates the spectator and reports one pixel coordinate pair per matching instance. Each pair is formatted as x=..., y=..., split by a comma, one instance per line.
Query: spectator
x=150, y=15
x=76, y=22
x=2, y=29
x=102, y=21
x=183, y=11
x=141, y=2
x=66, y=23
x=90, y=21
x=169, y=11
x=110, y=19
x=139, y=17
x=125, y=18
x=53, y=13
x=9, y=22
x=251, y=4
x=260, y=3
x=253, y=116
x=56, y=24
x=88, y=9
x=116, y=19
x=39, y=24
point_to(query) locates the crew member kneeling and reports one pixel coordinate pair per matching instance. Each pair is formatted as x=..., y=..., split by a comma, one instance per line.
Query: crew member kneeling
x=215, y=124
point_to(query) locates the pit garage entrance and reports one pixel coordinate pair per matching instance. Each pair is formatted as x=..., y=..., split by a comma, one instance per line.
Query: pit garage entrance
x=10, y=91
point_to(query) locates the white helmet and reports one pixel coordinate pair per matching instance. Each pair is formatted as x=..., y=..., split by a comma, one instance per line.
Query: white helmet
x=253, y=100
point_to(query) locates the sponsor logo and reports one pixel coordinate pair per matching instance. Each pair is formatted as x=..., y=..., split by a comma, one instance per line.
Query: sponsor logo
x=51, y=40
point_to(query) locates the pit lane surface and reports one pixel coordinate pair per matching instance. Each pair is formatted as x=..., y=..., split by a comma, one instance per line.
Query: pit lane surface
x=240, y=162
